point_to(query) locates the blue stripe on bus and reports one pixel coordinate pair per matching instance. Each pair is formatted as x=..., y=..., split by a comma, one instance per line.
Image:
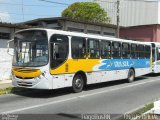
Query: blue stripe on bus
x=116, y=64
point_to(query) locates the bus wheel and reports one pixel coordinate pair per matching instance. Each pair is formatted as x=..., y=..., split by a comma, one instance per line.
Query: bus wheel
x=131, y=75
x=77, y=83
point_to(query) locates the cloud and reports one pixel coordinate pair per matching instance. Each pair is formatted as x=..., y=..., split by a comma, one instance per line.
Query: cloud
x=4, y=17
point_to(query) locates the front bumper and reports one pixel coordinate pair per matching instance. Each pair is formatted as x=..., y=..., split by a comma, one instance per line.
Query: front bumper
x=35, y=83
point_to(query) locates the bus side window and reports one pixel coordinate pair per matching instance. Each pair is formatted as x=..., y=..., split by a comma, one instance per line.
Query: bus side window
x=147, y=51
x=116, y=50
x=93, y=48
x=105, y=49
x=125, y=50
x=78, y=45
x=141, y=51
x=158, y=53
x=134, y=52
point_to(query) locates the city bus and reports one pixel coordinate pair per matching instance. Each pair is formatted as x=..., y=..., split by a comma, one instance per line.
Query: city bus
x=156, y=57
x=51, y=59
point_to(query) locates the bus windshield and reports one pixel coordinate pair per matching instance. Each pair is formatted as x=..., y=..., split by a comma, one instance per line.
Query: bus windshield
x=31, y=48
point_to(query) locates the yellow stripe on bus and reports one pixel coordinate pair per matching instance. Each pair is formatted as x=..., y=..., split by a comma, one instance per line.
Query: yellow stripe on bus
x=75, y=65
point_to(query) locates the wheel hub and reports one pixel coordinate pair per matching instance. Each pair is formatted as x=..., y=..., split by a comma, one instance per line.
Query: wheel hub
x=78, y=83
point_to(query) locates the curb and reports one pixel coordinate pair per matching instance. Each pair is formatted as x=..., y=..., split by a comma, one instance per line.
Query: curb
x=5, y=84
x=143, y=112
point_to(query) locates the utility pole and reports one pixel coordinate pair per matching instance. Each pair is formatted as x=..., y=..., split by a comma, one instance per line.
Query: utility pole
x=118, y=6
x=23, y=10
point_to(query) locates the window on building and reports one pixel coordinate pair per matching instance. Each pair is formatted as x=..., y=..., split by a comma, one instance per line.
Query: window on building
x=105, y=49
x=75, y=29
x=108, y=34
x=5, y=36
x=59, y=49
x=134, y=51
x=93, y=48
x=141, y=51
x=147, y=51
x=125, y=50
x=116, y=50
x=78, y=47
x=93, y=32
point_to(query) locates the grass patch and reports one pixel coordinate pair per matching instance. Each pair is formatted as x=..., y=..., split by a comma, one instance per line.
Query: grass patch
x=138, y=114
x=144, y=109
x=10, y=90
x=6, y=90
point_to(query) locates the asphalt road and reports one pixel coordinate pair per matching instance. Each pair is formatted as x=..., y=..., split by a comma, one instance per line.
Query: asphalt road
x=117, y=97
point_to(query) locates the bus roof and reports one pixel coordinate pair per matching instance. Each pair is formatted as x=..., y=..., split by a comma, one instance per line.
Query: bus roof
x=53, y=31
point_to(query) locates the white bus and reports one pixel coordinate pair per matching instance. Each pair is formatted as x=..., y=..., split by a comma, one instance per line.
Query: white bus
x=51, y=59
x=156, y=57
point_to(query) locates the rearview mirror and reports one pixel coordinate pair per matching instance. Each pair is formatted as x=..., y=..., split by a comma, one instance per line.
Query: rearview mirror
x=10, y=51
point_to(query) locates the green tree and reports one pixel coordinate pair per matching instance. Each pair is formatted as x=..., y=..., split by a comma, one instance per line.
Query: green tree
x=86, y=11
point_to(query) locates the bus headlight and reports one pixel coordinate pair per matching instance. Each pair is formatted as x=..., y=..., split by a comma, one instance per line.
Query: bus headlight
x=43, y=73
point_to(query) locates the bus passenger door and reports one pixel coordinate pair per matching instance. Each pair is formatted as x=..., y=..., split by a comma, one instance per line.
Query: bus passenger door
x=157, y=61
x=58, y=80
x=58, y=55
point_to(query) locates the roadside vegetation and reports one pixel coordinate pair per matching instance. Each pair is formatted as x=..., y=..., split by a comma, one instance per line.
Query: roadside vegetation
x=141, y=114
x=6, y=90
x=10, y=90
x=146, y=108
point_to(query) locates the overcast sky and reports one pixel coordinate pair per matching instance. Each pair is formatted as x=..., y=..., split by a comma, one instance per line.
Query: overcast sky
x=23, y=10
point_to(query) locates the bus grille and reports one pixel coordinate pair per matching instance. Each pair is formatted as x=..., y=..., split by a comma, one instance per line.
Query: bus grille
x=25, y=84
x=24, y=77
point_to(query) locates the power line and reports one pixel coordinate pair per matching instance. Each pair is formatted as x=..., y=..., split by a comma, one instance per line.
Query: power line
x=54, y=2
x=22, y=5
x=28, y=5
x=26, y=14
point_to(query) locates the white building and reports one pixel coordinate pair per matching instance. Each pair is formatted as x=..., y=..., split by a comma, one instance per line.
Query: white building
x=7, y=31
x=133, y=12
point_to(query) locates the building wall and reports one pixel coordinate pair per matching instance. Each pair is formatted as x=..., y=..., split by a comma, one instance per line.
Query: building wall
x=76, y=26
x=159, y=12
x=142, y=33
x=90, y=29
x=133, y=12
x=158, y=33
x=6, y=59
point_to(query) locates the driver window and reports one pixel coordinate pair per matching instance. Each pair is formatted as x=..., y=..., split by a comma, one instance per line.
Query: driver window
x=59, y=49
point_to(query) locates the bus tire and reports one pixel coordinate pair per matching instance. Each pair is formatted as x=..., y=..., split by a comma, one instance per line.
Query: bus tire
x=77, y=83
x=131, y=75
